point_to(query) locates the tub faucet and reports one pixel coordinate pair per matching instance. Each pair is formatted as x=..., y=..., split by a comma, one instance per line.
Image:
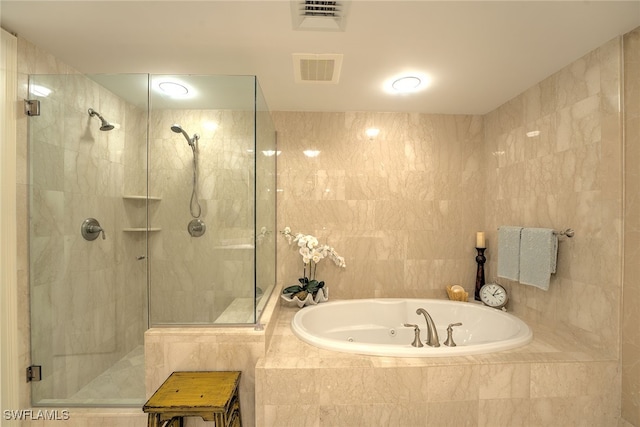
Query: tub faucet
x=432, y=333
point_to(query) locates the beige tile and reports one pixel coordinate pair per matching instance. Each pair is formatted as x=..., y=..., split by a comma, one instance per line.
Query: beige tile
x=587, y=411
x=504, y=413
x=573, y=379
x=291, y=415
x=452, y=414
x=504, y=381
x=353, y=386
x=366, y=415
x=452, y=383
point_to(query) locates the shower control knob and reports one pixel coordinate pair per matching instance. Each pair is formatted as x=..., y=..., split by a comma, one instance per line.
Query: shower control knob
x=196, y=227
x=91, y=229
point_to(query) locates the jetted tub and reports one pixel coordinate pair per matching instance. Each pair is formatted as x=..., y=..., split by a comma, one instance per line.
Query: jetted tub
x=376, y=327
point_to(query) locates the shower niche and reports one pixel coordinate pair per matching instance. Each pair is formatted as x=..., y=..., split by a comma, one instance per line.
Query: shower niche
x=106, y=147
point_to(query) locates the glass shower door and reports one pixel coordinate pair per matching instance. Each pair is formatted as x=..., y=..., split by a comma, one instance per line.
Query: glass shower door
x=88, y=279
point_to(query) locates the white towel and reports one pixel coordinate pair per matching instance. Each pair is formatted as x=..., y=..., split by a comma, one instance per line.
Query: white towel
x=509, y=252
x=538, y=256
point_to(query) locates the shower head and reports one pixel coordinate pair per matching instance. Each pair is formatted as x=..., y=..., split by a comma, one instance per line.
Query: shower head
x=105, y=124
x=191, y=140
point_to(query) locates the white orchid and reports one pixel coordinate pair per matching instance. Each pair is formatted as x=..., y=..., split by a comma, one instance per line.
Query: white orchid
x=311, y=250
x=312, y=253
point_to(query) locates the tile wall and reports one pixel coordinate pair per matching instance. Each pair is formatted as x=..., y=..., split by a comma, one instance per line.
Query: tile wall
x=208, y=266
x=402, y=208
x=568, y=176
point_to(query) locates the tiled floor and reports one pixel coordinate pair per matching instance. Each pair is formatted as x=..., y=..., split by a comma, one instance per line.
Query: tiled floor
x=123, y=383
x=124, y=379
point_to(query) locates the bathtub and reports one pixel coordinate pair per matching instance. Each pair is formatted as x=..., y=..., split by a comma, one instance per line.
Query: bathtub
x=376, y=327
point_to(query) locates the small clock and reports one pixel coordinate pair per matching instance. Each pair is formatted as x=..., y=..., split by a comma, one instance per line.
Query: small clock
x=494, y=295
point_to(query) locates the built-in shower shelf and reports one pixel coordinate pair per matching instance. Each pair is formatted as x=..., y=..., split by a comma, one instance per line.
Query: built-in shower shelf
x=140, y=197
x=134, y=197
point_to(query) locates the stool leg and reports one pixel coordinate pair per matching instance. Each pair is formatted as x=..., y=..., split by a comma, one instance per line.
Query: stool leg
x=153, y=420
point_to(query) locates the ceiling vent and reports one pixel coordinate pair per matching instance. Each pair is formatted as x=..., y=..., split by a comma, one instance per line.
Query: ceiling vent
x=316, y=15
x=317, y=68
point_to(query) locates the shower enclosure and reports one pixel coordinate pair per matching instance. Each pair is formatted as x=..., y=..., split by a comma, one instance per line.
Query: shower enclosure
x=116, y=243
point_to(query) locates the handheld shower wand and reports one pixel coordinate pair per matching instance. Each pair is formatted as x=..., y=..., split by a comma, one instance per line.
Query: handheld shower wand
x=194, y=205
x=191, y=140
x=105, y=124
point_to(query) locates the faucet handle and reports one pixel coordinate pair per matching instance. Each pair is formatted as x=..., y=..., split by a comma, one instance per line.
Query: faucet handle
x=449, y=342
x=91, y=229
x=416, y=340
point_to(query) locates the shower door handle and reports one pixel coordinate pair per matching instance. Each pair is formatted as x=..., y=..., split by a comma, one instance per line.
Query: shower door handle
x=91, y=229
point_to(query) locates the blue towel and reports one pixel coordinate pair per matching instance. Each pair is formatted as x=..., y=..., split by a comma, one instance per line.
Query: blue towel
x=509, y=252
x=538, y=256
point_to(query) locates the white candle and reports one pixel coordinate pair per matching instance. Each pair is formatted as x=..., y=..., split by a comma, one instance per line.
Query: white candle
x=480, y=240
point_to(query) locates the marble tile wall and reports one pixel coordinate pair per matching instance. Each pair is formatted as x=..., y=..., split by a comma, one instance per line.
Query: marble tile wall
x=569, y=176
x=631, y=301
x=402, y=208
x=218, y=266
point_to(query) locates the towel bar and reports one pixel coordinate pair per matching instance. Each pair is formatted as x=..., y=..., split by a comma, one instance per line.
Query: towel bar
x=568, y=232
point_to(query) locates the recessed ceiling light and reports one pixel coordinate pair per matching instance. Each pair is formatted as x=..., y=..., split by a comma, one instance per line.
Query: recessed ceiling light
x=173, y=88
x=406, y=84
x=311, y=153
x=533, y=133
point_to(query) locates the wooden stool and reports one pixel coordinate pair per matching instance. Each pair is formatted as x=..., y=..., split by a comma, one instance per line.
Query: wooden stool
x=213, y=396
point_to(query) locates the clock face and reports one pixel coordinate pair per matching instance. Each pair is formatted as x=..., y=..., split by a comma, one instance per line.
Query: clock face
x=493, y=295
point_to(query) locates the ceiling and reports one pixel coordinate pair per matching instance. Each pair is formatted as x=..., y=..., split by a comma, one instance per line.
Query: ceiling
x=478, y=54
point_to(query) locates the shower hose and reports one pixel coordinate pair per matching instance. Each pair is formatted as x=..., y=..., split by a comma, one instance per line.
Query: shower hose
x=194, y=204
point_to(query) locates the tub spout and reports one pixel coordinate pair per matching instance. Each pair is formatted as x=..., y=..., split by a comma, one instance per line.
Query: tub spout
x=432, y=333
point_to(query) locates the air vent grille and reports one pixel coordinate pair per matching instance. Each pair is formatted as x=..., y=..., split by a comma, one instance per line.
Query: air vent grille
x=321, y=8
x=317, y=68
x=318, y=15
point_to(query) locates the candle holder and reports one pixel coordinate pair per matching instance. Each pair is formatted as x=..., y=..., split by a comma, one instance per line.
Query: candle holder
x=480, y=259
